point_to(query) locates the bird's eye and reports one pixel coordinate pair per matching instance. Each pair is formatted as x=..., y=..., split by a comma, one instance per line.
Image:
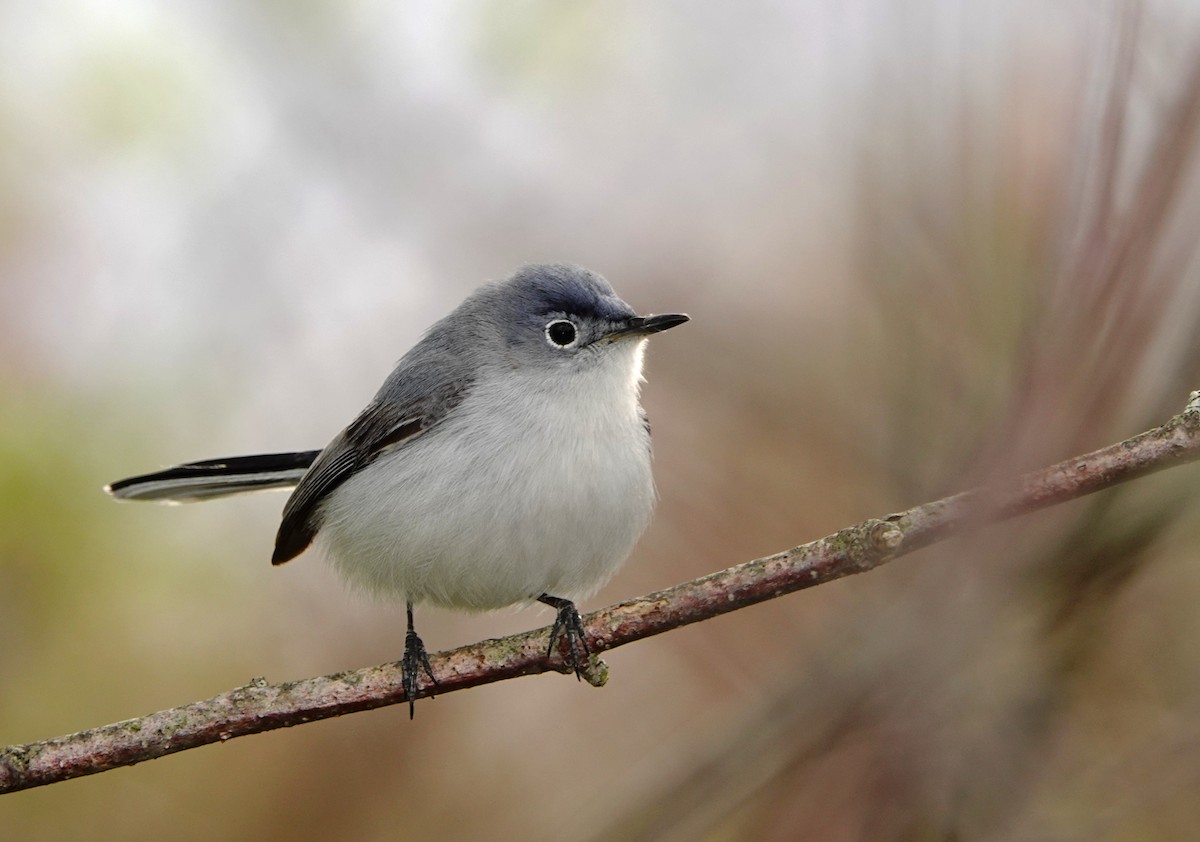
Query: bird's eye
x=561, y=333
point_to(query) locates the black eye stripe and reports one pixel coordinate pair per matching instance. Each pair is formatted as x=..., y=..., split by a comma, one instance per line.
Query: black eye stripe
x=561, y=332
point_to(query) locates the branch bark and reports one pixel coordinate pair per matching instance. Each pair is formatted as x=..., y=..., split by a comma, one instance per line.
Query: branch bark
x=260, y=706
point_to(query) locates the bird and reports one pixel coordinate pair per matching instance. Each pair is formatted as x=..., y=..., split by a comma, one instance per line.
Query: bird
x=506, y=460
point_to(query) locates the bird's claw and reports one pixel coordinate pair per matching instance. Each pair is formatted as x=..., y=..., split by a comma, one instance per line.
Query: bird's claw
x=415, y=660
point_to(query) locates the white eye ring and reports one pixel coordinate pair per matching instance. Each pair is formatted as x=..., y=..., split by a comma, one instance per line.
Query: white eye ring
x=562, y=333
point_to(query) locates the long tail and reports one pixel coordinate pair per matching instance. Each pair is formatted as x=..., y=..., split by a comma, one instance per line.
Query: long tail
x=216, y=478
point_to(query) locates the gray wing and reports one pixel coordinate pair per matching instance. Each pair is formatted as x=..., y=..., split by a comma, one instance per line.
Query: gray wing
x=402, y=410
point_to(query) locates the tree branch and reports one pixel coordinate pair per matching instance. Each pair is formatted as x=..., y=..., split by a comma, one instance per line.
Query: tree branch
x=259, y=706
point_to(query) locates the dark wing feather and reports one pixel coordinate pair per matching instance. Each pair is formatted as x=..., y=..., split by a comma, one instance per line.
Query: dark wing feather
x=383, y=425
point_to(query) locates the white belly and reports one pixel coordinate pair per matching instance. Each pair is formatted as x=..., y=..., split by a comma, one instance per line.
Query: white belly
x=504, y=500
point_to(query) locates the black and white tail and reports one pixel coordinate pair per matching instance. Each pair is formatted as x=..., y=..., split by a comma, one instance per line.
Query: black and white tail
x=216, y=478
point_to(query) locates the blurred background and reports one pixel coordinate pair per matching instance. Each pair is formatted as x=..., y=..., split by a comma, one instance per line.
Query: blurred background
x=924, y=244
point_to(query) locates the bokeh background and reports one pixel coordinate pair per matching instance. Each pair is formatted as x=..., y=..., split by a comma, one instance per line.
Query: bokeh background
x=924, y=244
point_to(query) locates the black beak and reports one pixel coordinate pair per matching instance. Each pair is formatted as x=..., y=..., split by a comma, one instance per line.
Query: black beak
x=646, y=325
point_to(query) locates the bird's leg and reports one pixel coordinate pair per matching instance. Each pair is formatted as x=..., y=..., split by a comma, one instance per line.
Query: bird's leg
x=415, y=659
x=569, y=624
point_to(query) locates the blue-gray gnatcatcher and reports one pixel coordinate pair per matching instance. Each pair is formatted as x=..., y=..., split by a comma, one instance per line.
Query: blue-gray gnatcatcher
x=506, y=459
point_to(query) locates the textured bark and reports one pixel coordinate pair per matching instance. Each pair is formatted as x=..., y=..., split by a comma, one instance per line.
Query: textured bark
x=259, y=706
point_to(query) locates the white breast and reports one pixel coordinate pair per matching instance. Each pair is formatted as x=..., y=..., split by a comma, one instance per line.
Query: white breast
x=534, y=484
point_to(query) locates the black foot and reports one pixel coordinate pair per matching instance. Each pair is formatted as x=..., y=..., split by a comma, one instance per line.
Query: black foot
x=415, y=659
x=569, y=624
